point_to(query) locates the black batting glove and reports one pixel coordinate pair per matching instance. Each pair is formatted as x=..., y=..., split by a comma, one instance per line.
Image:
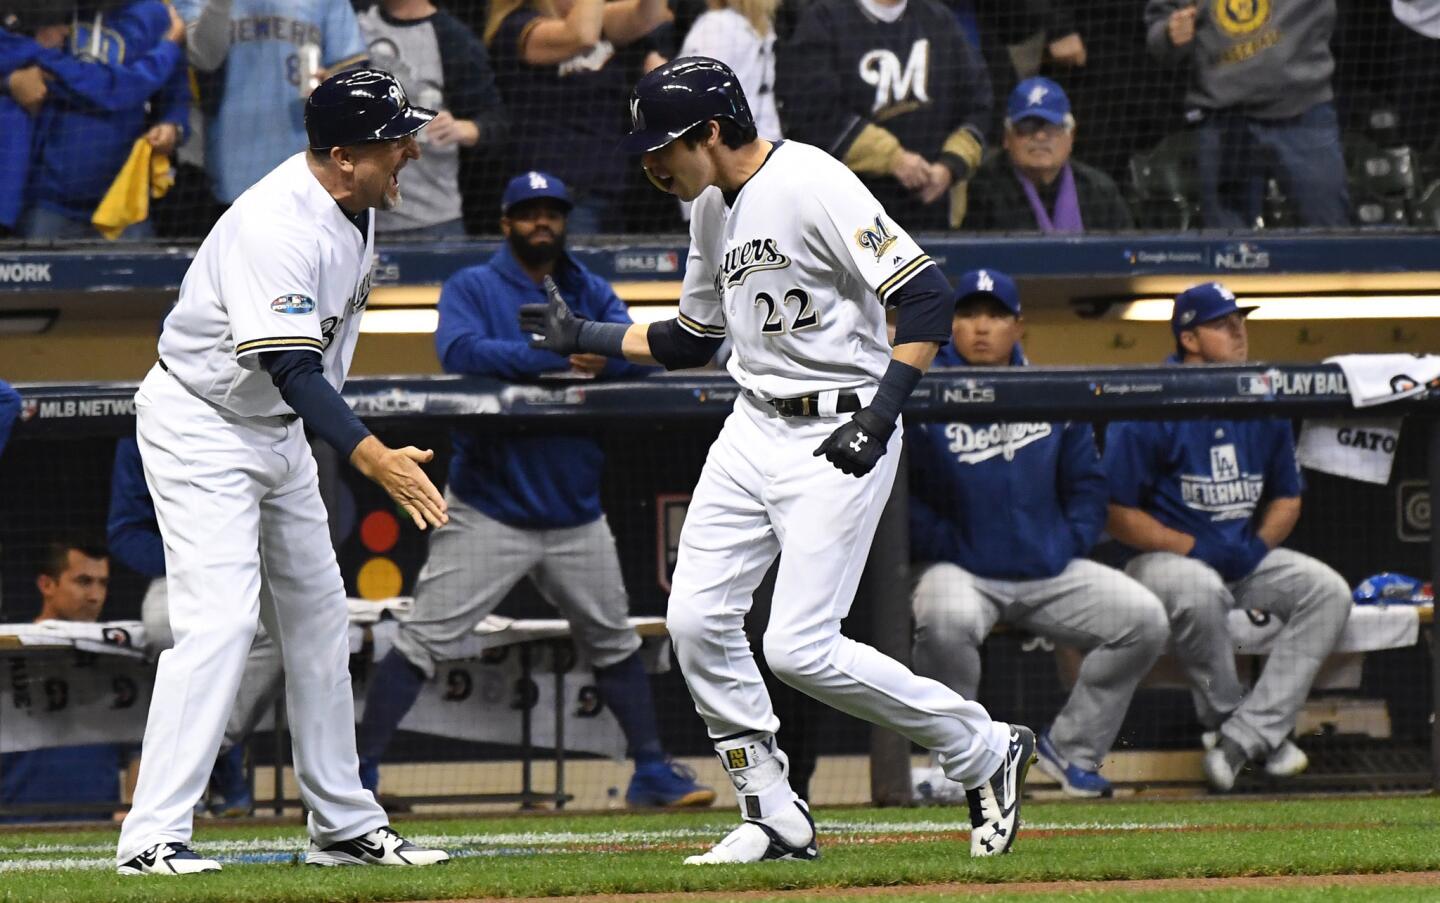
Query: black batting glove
x=551, y=325
x=857, y=445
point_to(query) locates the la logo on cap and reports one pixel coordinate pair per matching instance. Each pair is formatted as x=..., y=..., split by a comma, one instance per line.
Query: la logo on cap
x=1037, y=95
x=537, y=181
x=984, y=283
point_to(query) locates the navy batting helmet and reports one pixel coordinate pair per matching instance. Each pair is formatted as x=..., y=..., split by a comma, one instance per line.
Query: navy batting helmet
x=358, y=106
x=676, y=97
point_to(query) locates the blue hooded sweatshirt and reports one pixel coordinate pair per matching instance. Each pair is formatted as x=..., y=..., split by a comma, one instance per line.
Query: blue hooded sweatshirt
x=531, y=482
x=96, y=109
x=1016, y=501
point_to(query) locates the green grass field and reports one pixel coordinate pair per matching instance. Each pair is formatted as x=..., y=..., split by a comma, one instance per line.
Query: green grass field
x=555, y=855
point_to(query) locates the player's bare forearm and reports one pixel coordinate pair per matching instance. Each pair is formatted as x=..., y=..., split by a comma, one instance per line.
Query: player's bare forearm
x=919, y=355
x=1278, y=520
x=397, y=471
x=1142, y=531
x=636, y=346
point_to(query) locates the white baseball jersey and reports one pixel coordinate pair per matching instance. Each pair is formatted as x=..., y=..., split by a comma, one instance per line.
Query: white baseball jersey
x=283, y=269
x=797, y=272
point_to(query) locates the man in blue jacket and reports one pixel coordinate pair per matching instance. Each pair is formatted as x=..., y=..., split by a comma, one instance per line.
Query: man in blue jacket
x=526, y=506
x=9, y=412
x=1003, y=515
x=1207, y=503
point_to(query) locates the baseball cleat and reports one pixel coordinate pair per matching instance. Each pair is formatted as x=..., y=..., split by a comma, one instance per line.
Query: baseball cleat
x=1223, y=763
x=995, y=804
x=381, y=846
x=1073, y=779
x=666, y=784
x=755, y=841
x=169, y=858
x=931, y=786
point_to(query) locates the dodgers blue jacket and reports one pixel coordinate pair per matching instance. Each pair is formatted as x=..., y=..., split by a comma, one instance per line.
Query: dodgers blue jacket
x=1206, y=478
x=61, y=775
x=16, y=130
x=9, y=411
x=131, y=530
x=95, y=111
x=1013, y=501
x=533, y=482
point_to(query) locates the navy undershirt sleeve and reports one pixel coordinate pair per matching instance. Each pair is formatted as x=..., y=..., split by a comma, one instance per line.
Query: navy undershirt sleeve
x=301, y=381
x=926, y=306
x=678, y=349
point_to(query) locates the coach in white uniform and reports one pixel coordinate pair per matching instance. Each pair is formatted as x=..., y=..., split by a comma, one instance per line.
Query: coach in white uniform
x=256, y=350
x=795, y=261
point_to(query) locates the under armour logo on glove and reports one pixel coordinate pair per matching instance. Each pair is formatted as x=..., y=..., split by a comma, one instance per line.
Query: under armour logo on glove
x=552, y=326
x=850, y=447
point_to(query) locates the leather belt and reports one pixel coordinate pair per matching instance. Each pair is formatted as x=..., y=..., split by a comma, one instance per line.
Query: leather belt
x=809, y=405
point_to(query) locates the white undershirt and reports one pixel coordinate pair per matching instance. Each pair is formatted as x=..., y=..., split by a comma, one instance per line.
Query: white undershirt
x=882, y=12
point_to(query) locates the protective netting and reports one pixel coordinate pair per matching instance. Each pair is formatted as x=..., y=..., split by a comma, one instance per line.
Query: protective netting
x=1225, y=114
x=1366, y=722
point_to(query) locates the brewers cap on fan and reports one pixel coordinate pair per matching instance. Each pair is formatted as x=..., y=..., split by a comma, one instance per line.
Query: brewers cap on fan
x=358, y=106
x=676, y=97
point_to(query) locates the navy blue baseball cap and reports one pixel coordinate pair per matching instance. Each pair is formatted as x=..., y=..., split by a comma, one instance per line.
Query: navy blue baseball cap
x=533, y=185
x=674, y=98
x=1201, y=304
x=993, y=283
x=1038, y=98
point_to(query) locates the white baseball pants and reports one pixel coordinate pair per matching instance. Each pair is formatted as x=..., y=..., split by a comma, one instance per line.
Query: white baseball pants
x=238, y=503
x=763, y=492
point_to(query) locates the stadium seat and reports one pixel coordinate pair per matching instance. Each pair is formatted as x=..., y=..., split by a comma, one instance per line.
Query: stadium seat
x=1164, y=187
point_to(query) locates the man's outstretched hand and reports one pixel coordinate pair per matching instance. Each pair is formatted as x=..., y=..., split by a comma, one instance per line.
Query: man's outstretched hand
x=397, y=471
x=551, y=325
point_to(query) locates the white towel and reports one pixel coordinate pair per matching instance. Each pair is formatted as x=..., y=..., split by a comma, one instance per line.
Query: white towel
x=1380, y=378
x=1358, y=449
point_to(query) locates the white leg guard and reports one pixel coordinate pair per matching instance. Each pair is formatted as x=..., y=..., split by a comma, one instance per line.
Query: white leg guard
x=760, y=772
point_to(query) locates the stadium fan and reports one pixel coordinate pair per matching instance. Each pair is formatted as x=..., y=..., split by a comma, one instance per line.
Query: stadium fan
x=9, y=412
x=895, y=90
x=741, y=34
x=564, y=70
x=1036, y=185
x=1001, y=519
x=1207, y=504
x=261, y=59
x=1259, y=85
x=444, y=67
x=112, y=101
x=73, y=578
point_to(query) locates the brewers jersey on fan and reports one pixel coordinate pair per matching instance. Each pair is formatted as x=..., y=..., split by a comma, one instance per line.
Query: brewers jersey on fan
x=285, y=268
x=796, y=270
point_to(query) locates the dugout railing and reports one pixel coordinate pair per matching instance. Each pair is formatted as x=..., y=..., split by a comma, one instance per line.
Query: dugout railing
x=54, y=479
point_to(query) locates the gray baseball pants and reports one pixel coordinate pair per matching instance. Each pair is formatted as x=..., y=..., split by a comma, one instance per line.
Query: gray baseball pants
x=1119, y=623
x=1307, y=595
x=475, y=560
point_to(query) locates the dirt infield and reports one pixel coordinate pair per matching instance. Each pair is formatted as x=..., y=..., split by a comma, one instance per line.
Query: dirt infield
x=1286, y=882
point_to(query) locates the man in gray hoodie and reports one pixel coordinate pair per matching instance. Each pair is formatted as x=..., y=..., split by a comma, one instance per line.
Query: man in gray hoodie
x=1260, y=97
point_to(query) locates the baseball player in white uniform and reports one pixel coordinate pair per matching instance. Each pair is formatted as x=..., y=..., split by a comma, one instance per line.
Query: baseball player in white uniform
x=794, y=261
x=256, y=350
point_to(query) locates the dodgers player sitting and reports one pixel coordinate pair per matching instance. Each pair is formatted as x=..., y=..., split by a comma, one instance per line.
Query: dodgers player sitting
x=1208, y=503
x=794, y=260
x=526, y=505
x=1004, y=515
x=255, y=351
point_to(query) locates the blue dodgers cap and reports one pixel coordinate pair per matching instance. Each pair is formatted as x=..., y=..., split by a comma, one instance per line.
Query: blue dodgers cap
x=533, y=185
x=1201, y=304
x=1038, y=98
x=989, y=282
